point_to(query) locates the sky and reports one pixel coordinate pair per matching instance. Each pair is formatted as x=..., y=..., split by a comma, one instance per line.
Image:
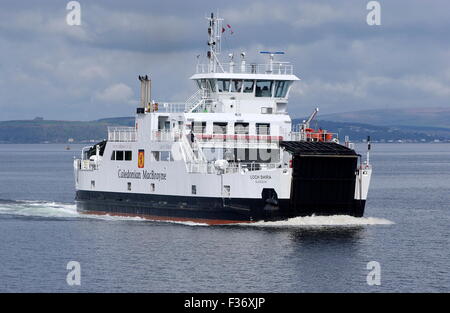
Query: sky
x=57, y=71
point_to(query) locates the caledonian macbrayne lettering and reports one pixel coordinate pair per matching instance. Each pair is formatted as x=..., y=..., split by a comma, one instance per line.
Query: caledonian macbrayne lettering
x=144, y=174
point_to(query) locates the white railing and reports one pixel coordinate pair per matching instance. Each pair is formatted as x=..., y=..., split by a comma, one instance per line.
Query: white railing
x=209, y=168
x=166, y=135
x=298, y=136
x=85, y=165
x=121, y=134
x=313, y=136
x=188, y=153
x=172, y=107
x=196, y=100
x=238, y=138
x=279, y=68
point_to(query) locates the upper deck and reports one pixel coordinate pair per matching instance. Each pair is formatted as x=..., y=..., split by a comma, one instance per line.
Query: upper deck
x=275, y=68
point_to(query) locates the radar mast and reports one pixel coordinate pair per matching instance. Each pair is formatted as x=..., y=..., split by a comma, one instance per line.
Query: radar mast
x=214, y=42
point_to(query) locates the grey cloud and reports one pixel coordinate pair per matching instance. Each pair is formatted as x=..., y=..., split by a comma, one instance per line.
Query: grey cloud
x=57, y=71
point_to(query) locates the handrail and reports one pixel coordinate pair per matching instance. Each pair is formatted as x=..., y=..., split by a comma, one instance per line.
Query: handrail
x=121, y=134
x=277, y=68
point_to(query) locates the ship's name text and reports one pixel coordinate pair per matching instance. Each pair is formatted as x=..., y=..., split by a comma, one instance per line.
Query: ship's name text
x=144, y=174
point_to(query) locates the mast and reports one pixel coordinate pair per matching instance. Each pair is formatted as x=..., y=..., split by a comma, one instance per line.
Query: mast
x=214, y=42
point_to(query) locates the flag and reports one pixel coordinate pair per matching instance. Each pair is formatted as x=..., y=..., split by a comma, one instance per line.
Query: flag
x=141, y=159
x=229, y=27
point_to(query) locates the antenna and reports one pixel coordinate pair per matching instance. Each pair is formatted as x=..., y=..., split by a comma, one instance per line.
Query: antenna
x=271, y=57
x=270, y=52
x=214, y=41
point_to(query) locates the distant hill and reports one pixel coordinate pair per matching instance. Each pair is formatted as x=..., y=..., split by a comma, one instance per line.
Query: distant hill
x=43, y=131
x=359, y=132
x=415, y=117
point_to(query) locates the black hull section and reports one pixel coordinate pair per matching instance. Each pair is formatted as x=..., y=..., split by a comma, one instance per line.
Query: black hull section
x=203, y=209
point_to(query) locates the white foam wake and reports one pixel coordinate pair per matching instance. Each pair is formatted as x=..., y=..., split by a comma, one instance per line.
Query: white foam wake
x=48, y=209
x=68, y=210
x=38, y=208
x=333, y=220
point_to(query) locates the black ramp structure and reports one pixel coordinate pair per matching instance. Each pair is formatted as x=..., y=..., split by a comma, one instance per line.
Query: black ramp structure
x=323, y=179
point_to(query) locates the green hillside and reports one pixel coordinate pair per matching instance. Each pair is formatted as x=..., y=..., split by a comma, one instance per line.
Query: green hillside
x=43, y=131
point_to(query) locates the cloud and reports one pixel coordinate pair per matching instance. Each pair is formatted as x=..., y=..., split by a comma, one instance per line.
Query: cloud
x=60, y=71
x=117, y=93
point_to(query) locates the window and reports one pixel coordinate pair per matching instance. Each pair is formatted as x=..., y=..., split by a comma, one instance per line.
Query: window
x=223, y=85
x=256, y=155
x=119, y=155
x=241, y=128
x=248, y=86
x=201, y=83
x=155, y=155
x=262, y=129
x=266, y=110
x=281, y=88
x=212, y=85
x=199, y=127
x=129, y=186
x=219, y=128
x=162, y=156
x=226, y=190
x=165, y=156
x=194, y=189
x=152, y=187
x=236, y=85
x=263, y=88
x=92, y=184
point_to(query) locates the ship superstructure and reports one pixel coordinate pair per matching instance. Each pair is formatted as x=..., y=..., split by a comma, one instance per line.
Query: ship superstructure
x=228, y=154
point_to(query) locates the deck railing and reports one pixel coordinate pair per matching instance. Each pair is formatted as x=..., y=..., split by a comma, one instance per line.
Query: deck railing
x=233, y=167
x=280, y=68
x=172, y=107
x=121, y=134
x=166, y=135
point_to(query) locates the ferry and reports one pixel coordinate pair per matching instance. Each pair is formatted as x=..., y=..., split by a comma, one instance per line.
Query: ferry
x=228, y=154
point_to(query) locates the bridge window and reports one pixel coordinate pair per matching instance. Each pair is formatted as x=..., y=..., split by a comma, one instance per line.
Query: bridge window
x=263, y=88
x=281, y=88
x=236, y=85
x=223, y=85
x=209, y=84
x=212, y=84
x=248, y=86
